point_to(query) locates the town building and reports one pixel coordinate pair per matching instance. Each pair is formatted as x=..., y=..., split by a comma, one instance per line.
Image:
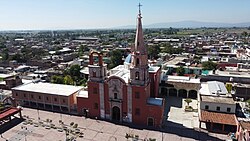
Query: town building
x=128, y=92
x=55, y=97
x=216, y=108
x=179, y=86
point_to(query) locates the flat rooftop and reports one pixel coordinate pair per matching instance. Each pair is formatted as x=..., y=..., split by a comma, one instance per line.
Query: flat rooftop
x=5, y=75
x=155, y=101
x=48, y=88
x=176, y=60
x=245, y=74
x=153, y=69
x=5, y=93
x=83, y=93
x=217, y=99
x=183, y=79
x=213, y=88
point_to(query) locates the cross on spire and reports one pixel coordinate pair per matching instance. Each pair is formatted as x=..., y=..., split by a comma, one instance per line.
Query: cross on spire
x=139, y=8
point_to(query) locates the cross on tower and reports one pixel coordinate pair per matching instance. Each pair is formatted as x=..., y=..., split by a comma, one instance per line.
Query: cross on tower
x=139, y=8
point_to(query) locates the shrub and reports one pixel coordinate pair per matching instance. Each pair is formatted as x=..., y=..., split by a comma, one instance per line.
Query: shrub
x=75, y=126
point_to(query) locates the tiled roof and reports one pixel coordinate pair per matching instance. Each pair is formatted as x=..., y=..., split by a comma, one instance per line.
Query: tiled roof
x=214, y=117
x=9, y=112
x=244, y=123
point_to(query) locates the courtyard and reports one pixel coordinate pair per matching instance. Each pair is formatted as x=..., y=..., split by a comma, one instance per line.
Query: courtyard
x=47, y=126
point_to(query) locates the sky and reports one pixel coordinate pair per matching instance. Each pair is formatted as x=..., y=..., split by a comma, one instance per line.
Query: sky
x=91, y=14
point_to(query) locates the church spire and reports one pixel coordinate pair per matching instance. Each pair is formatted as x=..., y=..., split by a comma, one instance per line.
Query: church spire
x=139, y=65
x=139, y=41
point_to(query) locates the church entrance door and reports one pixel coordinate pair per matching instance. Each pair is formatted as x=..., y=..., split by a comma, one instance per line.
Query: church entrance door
x=116, y=113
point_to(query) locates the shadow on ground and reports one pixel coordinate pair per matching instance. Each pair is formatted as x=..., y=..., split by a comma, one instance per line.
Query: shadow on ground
x=176, y=128
x=10, y=124
x=171, y=102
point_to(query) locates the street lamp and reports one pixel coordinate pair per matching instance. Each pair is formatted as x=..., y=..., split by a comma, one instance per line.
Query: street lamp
x=61, y=113
x=38, y=114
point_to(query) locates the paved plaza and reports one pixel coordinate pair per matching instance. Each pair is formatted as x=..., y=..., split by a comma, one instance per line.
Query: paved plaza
x=175, y=113
x=176, y=129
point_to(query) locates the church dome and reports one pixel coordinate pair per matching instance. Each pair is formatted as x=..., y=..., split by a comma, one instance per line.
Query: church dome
x=128, y=59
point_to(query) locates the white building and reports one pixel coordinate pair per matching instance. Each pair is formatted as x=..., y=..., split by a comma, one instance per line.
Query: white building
x=216, y=107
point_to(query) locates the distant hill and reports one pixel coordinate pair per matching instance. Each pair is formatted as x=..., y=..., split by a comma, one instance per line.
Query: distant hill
x=190, y=24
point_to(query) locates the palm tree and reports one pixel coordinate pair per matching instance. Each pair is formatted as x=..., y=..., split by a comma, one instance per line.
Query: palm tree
x=188, y=100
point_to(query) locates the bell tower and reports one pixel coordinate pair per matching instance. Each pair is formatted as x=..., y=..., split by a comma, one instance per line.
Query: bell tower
x=139, y=66
x=97, y=69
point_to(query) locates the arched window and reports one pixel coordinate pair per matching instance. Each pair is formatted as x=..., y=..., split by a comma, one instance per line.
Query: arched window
x=137, y=61
x=137, y=76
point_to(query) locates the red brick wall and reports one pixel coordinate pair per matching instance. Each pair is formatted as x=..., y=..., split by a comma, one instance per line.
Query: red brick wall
x=89, y=102
x=146, y=111
x=140, y=103
x=154, y=83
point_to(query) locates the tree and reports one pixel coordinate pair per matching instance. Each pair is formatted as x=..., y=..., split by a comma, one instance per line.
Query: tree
x=209, y=65
x=188, y=101
x=244, y=34
x=229, y=87
x=153, y=51
x=57, y=79
x=83, y=82
x=74, y=72
x=180, y=71
x=82, y=49
x=5, y=54
x=167, y=48
x=116, y=58
x=68, y=80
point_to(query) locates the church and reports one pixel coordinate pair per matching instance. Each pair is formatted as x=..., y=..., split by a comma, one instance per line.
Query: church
x=127, y=93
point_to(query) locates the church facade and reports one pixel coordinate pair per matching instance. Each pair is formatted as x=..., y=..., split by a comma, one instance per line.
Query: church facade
x=126, y=93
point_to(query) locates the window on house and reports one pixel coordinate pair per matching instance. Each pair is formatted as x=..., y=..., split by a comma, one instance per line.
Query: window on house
x=55, y=99
x=137, y=77
x=39, y=97
x=32, y=96
x=137, y=111
x=16, y=94
x=24, y=95
x=95, y=90
x=218, y=108
x=63, y=100
x=47, y=98
x=228, y=109
x=115, y=95
x=138, y=43
x=206, y=107
x=137, y=95
x=96, y=106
